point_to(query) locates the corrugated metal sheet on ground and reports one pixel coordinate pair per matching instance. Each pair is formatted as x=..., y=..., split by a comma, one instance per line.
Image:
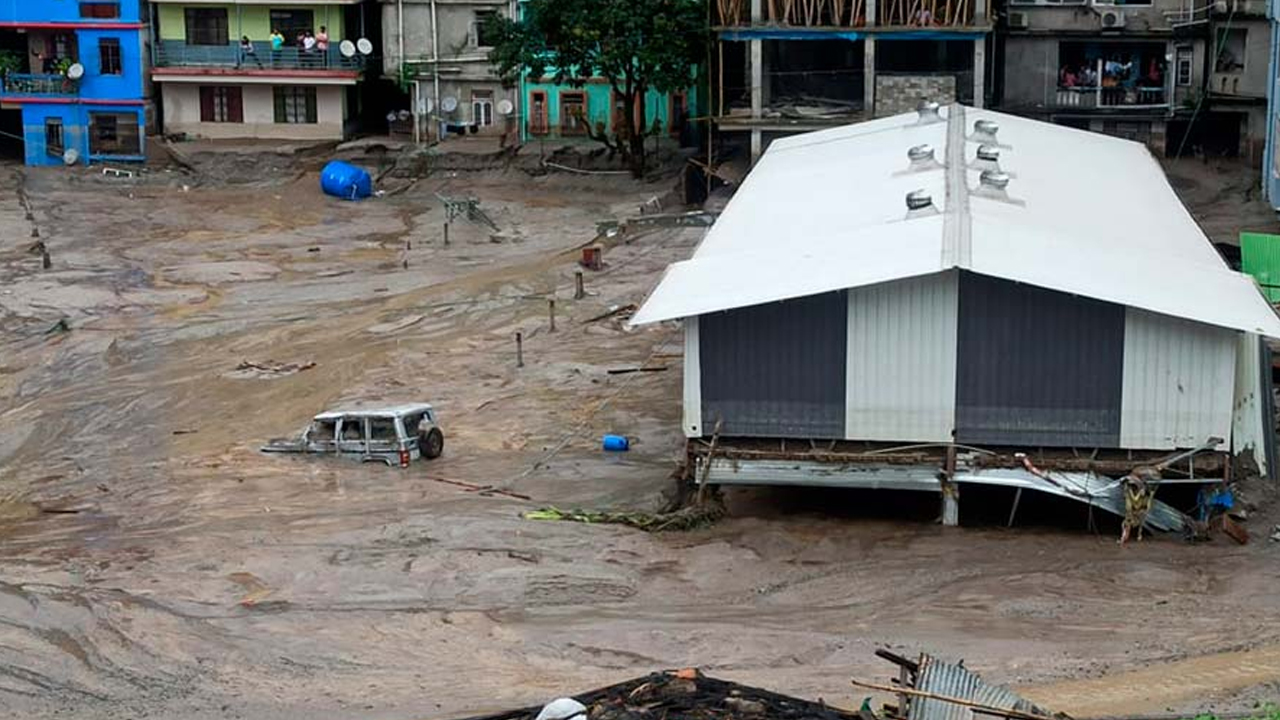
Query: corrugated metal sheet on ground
x=902, y=360
x=1260, y=257
x=952, y=680
x=776, y=370
x=1037, y=367
x=1179, y=378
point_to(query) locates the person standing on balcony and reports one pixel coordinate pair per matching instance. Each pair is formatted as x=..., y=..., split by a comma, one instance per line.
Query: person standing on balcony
x=322, y=39
x=247, y=51
x=277, y=44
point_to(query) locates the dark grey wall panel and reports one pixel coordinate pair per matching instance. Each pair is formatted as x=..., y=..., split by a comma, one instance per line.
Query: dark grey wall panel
x=776, y=370
x=1037, y=367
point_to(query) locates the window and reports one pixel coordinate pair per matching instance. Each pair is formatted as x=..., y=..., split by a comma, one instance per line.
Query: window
x=1184, y=67
x=102, y=9
x=53, y=142
x=485, y=27
x=207, y=26
x=538, y=112
x=1230, y=48
x=573, y=113
x=114, y=134
x=295, y=105
x=221, y=104
x=482, y=107
x=291, y=23
x=109, y=57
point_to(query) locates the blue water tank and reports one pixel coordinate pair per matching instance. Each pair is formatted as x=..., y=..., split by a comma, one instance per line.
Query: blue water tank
x=345, y=181
x=616, y=443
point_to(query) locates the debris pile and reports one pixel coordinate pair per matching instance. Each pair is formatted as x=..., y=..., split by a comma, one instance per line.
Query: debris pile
x=930, y=689
x=267, y=369
x=689, y=517
x=684, y=694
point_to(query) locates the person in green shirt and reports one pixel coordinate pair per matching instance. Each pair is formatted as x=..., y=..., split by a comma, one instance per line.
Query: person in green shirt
x=277, y=43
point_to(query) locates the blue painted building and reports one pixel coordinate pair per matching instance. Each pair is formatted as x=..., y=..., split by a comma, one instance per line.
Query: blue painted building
x=73, y=82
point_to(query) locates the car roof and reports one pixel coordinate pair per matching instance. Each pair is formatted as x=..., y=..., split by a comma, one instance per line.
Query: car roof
x=375, y=411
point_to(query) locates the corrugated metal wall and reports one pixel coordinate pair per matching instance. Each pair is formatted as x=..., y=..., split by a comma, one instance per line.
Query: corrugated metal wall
x=1179, y=382
x=1037, y=367
x=776, y=370
x=902, y=360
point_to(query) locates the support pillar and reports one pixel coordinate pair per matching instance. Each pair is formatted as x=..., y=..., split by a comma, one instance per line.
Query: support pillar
x=869, y=76
x=979, y=70
x=756, y=61
x=873, y=17
x=950, y=492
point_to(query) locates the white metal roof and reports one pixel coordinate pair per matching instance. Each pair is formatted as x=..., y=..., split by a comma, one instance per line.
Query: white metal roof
x=374, y=410
x=1086, y=214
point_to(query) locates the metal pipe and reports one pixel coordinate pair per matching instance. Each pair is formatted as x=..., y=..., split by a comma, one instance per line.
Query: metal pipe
x=435, y=62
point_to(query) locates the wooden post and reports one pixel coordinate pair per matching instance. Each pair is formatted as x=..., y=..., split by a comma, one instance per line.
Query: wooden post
x=551, y=311
x=519, y=350
x=950, y=493
x=706, y=469
x=45, y=260
x=579, y=289
x=446, y=233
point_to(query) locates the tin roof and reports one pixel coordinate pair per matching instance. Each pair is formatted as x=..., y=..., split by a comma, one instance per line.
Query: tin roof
x=1083, y=213
x=374, y=410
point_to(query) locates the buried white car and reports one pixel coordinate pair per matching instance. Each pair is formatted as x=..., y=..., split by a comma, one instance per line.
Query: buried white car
x=391, y=434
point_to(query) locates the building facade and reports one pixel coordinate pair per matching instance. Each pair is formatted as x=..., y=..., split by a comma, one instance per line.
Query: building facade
x=1132, y=69
x=222, y=75
x=438, y=52
x=564, y=111
x=74, y=85
x=784, y=68
x=1271, y=162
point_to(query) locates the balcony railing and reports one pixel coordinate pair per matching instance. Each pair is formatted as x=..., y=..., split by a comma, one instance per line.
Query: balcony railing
x=851, y=13
x=38, y=84
x=176, y=53
x=1096, y=97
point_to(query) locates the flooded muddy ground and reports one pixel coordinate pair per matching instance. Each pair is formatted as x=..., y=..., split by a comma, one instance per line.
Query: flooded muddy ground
x=154, y=564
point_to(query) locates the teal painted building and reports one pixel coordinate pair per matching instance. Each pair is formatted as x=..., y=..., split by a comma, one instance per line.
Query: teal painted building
x=552, y=110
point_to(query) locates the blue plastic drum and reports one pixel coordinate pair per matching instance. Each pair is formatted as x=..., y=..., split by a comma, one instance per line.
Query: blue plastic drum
x=616, y=443
x=346, y=181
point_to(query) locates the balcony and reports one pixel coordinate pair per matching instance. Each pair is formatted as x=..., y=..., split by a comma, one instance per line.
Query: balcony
x=852, y=13
x=38, y=85
x=178, y=54
x=1089, y=98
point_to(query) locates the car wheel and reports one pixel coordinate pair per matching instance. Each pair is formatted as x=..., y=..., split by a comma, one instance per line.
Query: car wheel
x=431, y=444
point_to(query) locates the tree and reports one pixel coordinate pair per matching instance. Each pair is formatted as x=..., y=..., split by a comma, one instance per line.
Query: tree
x=635, y=45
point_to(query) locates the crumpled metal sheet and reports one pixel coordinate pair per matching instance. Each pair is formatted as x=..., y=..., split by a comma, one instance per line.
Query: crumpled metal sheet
x=952, y=680
x=1097, y=490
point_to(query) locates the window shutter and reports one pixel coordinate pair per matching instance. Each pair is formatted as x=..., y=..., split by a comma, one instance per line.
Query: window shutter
x=311, y=105
x=279, y=102
x=206, y=104
x=235, y=105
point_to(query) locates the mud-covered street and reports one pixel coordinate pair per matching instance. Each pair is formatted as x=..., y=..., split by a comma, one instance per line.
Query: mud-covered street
x=153, y=563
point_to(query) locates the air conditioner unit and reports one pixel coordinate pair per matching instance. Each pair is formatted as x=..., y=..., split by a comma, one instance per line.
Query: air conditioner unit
x=1112, y=19
x=1018, y=21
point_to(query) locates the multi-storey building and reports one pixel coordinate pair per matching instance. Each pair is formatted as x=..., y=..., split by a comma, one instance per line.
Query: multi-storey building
x=1271, y=159
x=260, y=68
x=73, y=85
x=787, y=66
x=438, y=52
x=1132, y=68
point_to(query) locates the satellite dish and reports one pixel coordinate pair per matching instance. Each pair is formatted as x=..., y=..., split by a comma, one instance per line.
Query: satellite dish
x=76, y=71
x=347, y=48
x=364, y=46
x=505, y=107
x=71, y=157
x=449, y=103
x=392, y=116
x=405, y=114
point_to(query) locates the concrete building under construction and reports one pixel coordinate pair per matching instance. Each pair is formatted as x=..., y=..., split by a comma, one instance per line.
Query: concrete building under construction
x=786, y=66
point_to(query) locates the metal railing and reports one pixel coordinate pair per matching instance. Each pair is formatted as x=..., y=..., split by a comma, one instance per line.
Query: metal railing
x=176, y=53
x=1093, y=97
x=38, y=84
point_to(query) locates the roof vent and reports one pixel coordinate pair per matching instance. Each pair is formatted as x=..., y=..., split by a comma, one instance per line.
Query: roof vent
x=928, y=113
x=920, y=203
x=988, y=159
x=993, y=185
x=922, y=158
x=985, y=131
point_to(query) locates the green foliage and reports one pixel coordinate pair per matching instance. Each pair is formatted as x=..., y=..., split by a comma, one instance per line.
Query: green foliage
x=636, y=45
x=1269, y=711
x=10, y=62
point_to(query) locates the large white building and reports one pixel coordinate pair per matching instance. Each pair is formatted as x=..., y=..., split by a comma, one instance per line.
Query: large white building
x=972, y=282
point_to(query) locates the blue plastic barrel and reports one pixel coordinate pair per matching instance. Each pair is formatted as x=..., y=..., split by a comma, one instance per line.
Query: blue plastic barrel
x=346, y=181
x=616, y=443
